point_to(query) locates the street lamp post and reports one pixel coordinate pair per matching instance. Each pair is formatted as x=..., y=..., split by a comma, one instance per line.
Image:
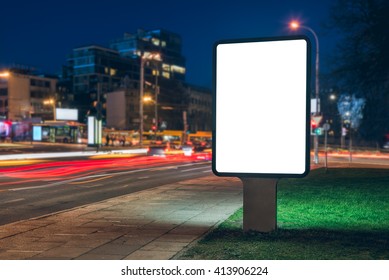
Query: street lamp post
x=141, y=91
x=294, y=25
x=143, y=59
x=156, y=102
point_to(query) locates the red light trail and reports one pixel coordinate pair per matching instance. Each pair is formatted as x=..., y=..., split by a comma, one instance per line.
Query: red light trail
x=72, y=169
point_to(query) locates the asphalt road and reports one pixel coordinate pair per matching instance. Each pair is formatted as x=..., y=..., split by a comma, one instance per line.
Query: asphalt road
x=33, y=191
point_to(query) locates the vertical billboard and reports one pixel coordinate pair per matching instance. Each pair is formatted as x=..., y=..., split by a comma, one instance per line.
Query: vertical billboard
x=37, y=133
x=261, y=107
x=94, y=131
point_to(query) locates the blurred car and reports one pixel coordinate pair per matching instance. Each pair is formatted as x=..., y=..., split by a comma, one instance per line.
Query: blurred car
x=385, y=147
x=188, y=150
x=385, y=143
x=157, y=150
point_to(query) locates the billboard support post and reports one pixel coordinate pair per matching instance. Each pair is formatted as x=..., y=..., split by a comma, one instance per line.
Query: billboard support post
x=259, y=204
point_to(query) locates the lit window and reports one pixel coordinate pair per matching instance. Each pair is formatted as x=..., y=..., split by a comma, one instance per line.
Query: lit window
x=155, y=41
x=165, y=67
x=163, y=44
x=113, y=72
x=178, y=69
x=166, y=74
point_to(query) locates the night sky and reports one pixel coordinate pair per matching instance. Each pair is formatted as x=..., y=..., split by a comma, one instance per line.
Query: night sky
x=42, y=34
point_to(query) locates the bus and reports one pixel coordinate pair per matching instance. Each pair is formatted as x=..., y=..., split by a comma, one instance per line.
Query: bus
x=175, y=138
x=60, y=132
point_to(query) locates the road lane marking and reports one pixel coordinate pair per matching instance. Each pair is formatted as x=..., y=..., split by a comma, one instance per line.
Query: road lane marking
x=76, y=179
x=92, y=186
x=165, y=168
x=90, y=181
x=14, y=200
x=191, y=169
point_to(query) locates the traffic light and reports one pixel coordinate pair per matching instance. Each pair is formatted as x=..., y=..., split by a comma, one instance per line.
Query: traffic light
x=154, y=128
x=318, y=131
x=313, y=127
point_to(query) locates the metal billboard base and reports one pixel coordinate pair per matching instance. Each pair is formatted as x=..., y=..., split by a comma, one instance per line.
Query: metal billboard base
x=259, y=204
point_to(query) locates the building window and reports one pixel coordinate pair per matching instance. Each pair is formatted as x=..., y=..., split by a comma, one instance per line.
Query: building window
x=166, y=74
x=3, y=91
x=38, y=94
x=165, y=67
x=155, y=41
x=178, y=69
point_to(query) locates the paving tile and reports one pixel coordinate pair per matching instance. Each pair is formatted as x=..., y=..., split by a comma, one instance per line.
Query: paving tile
x=61, y=253
x=170, y=246
x=180, y=238
x=114, y=249
x=138, y=240
x=150, y=255
x=99, y=257
x=17, y=255
x=85, y=242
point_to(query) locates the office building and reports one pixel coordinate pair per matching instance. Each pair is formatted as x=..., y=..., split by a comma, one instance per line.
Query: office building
x=93, y=72
x=26, y=95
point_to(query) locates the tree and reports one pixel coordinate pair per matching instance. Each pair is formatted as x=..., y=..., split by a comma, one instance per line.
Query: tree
x=361, y=60
x=350, y=110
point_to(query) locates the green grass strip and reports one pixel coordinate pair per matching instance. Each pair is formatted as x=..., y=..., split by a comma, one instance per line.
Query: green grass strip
x=334, y=215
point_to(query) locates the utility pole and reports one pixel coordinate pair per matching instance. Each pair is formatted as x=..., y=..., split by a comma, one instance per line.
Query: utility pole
x=141, y=92
x=98, y=117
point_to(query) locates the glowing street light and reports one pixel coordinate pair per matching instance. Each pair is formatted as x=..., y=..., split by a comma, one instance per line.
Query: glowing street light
x=295, y=25
x=147, y=99
x=4, y=74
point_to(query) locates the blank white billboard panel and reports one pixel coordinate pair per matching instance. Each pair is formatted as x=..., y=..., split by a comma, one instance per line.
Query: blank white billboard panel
x=261, y=107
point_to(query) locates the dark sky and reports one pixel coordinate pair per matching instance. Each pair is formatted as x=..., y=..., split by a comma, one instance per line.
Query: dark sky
x=43, y=33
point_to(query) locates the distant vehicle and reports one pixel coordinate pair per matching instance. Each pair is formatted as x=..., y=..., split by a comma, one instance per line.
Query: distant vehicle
x=188, y=150
x=200, y=140
x=157, y=150
x=385, y=145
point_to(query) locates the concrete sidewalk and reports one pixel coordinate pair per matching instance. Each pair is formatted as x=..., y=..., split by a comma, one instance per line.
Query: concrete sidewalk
x=152, y=224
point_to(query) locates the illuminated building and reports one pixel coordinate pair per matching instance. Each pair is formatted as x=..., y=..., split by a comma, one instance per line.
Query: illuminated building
x=114, y=72
x=166, y=43
x=22, y=95
x=94, y=71
x=199, y=108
